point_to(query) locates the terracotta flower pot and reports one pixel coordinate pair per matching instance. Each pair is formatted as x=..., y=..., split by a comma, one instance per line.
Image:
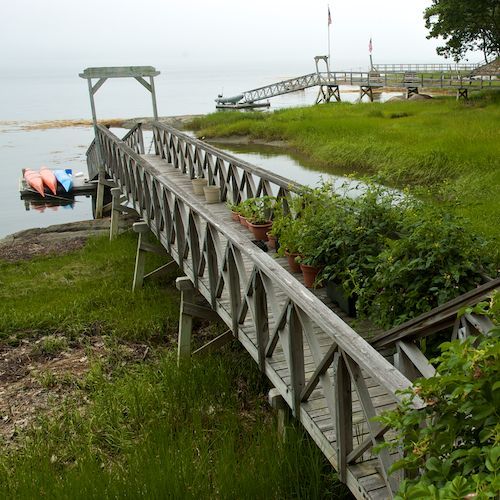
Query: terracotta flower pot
x=260, y=230
x=292, y=263
x=243, y=220
x=212, y=194
x=235, y=216
x=198, y=185
x=309, y=273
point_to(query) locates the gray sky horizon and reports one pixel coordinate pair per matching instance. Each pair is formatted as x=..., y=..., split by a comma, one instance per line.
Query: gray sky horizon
x=191, y=34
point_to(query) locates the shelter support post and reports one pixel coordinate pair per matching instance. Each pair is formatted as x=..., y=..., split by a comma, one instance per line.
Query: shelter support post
x=116, y=209
x=278, y=403
x=462, y=93
x=188, y=311
x=143, y=247
x=366, y=90
x=411, y=91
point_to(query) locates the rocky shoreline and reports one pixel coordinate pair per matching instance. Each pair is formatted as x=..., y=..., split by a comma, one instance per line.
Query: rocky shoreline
x=57, y=239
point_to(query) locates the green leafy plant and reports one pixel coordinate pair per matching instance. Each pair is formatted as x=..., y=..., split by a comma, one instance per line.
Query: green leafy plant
x=431, y=262
x=257, y=210
x=453, y=443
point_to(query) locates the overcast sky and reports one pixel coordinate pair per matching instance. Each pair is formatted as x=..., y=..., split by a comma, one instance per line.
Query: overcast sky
x=184, y=33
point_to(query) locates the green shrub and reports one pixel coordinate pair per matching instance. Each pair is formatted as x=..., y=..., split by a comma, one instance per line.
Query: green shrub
x=453, y=443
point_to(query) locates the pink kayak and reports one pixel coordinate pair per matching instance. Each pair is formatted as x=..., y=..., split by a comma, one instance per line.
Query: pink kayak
x=49, y=179
x=34, y=179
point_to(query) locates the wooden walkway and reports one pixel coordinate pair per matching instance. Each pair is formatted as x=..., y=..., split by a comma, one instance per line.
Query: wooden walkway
x=410, y=80
x=333, y=380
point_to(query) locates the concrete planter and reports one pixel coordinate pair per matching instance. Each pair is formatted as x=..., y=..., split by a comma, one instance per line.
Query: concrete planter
x=198, y=185
x=212, y=194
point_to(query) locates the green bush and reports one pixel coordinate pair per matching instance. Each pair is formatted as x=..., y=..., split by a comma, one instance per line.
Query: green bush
x=399, y=256
x=453, y=443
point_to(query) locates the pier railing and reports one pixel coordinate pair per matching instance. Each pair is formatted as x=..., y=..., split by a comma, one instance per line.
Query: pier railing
x=397, y=78
x=440, y=67
x=238, y=179
x=259, y=300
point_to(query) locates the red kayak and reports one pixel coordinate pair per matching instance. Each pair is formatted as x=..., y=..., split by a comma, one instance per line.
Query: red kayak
x=34, y=179
x=49, y=179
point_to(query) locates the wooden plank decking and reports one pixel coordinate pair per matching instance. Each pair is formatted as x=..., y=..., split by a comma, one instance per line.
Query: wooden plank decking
x=314, y=414
x=332, y=379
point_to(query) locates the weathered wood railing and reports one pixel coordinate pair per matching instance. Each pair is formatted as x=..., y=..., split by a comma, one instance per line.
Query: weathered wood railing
x=238, y=179
x=92, y=161
x=134, y=139
x=259, y=300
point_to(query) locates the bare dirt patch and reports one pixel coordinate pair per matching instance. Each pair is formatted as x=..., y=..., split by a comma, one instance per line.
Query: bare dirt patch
x=34, y=382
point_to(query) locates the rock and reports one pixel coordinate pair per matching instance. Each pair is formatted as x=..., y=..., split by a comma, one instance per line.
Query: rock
x=420, y=97
x=396, y=98
x=57, y=239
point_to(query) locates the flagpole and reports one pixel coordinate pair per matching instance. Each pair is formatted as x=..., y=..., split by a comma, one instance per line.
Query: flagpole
x=329, y=23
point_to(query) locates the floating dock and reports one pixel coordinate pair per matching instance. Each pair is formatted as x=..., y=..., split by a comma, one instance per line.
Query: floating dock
x=81, y=187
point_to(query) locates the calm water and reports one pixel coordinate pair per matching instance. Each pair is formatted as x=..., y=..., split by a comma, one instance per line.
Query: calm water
x=34, y=97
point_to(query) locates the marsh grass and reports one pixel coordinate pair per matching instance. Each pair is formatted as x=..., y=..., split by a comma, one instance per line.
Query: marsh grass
x=431, y=144
x=201, y=431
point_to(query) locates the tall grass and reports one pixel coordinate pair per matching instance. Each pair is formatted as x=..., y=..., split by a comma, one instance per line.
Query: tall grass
x=202, y=431
x=441, y=142
x=143, y=430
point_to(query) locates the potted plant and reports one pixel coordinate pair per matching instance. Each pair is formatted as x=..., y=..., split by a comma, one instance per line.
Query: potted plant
x=235, y=210
x=289, y=242
x=259, y=219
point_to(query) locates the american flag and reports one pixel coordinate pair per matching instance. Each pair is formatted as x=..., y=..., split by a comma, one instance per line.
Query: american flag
x=329, y=17
x=370, y=46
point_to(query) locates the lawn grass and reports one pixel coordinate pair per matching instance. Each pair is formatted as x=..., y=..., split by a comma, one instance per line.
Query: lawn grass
x=141, y=428
x=451, y=148
x=86, y=292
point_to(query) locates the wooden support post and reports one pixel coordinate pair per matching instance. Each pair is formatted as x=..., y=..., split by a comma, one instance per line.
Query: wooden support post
x=99, y=199
x=185, y=320
x=140, y=257
x=278, y=403
x=295, y=348
x=115, y=213
x=462, y=93
x=365, y=90
x=343, y=416
x=411, y=91
x=326, y=92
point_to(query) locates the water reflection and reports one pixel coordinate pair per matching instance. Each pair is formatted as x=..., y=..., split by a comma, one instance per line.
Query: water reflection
x=51, y=206
x=291, y=165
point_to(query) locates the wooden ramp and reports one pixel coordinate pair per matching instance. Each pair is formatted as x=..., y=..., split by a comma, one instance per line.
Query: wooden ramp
x=331, y=378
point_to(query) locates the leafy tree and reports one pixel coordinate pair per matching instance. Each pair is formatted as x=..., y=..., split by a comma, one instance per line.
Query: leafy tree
x=465, y=25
